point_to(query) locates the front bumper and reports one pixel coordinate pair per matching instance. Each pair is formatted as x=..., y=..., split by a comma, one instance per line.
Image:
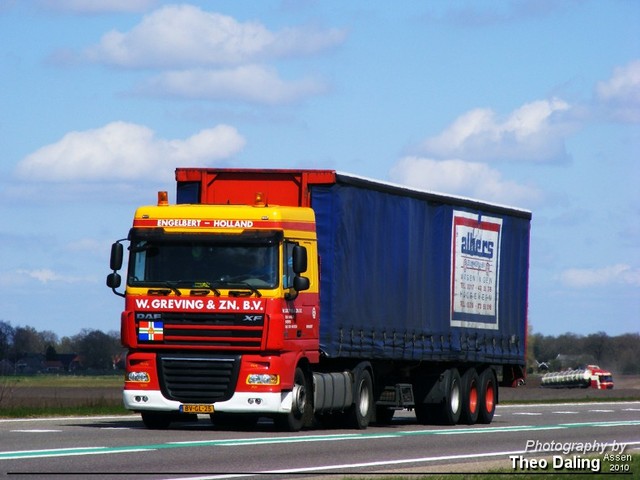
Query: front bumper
x=240, y=402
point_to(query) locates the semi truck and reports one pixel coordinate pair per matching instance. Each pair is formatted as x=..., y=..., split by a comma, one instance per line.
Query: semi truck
x=315, y=297
x=591, y=376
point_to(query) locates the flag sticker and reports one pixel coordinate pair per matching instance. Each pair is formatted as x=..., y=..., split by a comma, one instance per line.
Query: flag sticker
x=151, y=331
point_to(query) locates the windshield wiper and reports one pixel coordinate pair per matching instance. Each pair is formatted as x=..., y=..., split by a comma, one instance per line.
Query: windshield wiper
x=197, y=287
x=203, y=287
x=172, y=288
x=241, y=285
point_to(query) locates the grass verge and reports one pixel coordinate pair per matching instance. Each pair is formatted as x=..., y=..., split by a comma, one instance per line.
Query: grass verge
x=30, y=396
x=88, y=410
x=52, y=381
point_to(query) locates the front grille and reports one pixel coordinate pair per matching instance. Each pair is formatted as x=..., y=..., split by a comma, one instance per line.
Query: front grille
x=225, y=331
x=198, y=378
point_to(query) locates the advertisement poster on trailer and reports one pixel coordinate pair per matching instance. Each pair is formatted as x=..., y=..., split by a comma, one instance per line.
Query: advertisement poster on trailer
x=475, y=270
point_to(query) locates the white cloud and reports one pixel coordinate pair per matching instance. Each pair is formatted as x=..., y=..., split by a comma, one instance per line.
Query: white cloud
x=177, y=36
x=251, y=83
x=535, y=132
x=126, y=151
x=45, y=275
x=470, y=179
x=620, y=274
x=620, y=94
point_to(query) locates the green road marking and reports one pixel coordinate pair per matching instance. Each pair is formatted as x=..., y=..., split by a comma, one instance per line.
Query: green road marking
x=61, y=452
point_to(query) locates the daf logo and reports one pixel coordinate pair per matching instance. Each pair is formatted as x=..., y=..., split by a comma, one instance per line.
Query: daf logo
x=252, y=318
x=148, y=316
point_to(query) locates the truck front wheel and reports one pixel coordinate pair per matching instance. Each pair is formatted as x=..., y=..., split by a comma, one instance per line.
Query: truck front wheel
x=301, y=412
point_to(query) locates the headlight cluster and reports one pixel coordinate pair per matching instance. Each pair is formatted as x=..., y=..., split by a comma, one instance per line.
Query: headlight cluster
x=142, y=377
x=263, y=379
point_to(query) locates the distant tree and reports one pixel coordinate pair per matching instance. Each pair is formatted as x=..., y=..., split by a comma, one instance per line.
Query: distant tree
x=97, y=348
x=66, y=345
x=7, y=333
x=26, y=340
x=627, y=354
x=48, y=338
x=50, y=353
x=543, y=347
x=532, y=365
x=569, y=344
x=598, y=345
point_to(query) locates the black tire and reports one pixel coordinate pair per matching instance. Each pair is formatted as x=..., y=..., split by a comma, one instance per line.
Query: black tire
x=470, y=397
x=451, y=408
x=488, y=396
x=361, y=411
x=301, y=413
x=156, y=420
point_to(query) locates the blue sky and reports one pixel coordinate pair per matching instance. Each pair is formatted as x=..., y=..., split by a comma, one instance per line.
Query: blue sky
x=534, y=104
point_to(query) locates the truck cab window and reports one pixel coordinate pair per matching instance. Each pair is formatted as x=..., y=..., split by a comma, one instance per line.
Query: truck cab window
x=289, y=274
x=192, y=262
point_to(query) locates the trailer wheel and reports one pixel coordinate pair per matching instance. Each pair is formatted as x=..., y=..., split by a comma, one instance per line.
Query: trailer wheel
x=451, y=408
x=470, y=397
x=301, y=412
x=156, y=420
x=361, y=412
x=488, y=396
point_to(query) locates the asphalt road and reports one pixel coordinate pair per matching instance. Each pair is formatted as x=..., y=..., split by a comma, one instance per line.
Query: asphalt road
x=119, y=447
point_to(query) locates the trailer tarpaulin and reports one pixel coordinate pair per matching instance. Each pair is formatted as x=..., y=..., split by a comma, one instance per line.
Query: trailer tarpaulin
x=464, y=270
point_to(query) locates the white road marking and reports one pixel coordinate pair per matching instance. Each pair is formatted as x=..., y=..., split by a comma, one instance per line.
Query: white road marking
x=35, y=430
x=346, y=466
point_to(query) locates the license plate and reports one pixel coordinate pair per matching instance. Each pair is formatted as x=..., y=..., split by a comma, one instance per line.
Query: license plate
x=196, y=408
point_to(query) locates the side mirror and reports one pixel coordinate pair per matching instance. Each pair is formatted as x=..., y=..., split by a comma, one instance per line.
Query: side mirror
x=300, y=284
x=115, y=263
x=299, y=259
x=114, y=280
x=116, y=256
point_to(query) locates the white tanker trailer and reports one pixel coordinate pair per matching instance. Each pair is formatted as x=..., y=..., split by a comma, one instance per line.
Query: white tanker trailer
x=590, y=376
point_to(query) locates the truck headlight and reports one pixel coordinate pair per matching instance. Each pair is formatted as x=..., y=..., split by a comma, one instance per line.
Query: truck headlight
x=142, y=377
x=263, y=379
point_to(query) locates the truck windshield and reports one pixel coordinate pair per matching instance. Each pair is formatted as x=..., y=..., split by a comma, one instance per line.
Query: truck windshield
x=204, y=261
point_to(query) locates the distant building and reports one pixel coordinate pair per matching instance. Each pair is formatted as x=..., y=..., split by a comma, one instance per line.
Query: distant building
x=38, y=363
